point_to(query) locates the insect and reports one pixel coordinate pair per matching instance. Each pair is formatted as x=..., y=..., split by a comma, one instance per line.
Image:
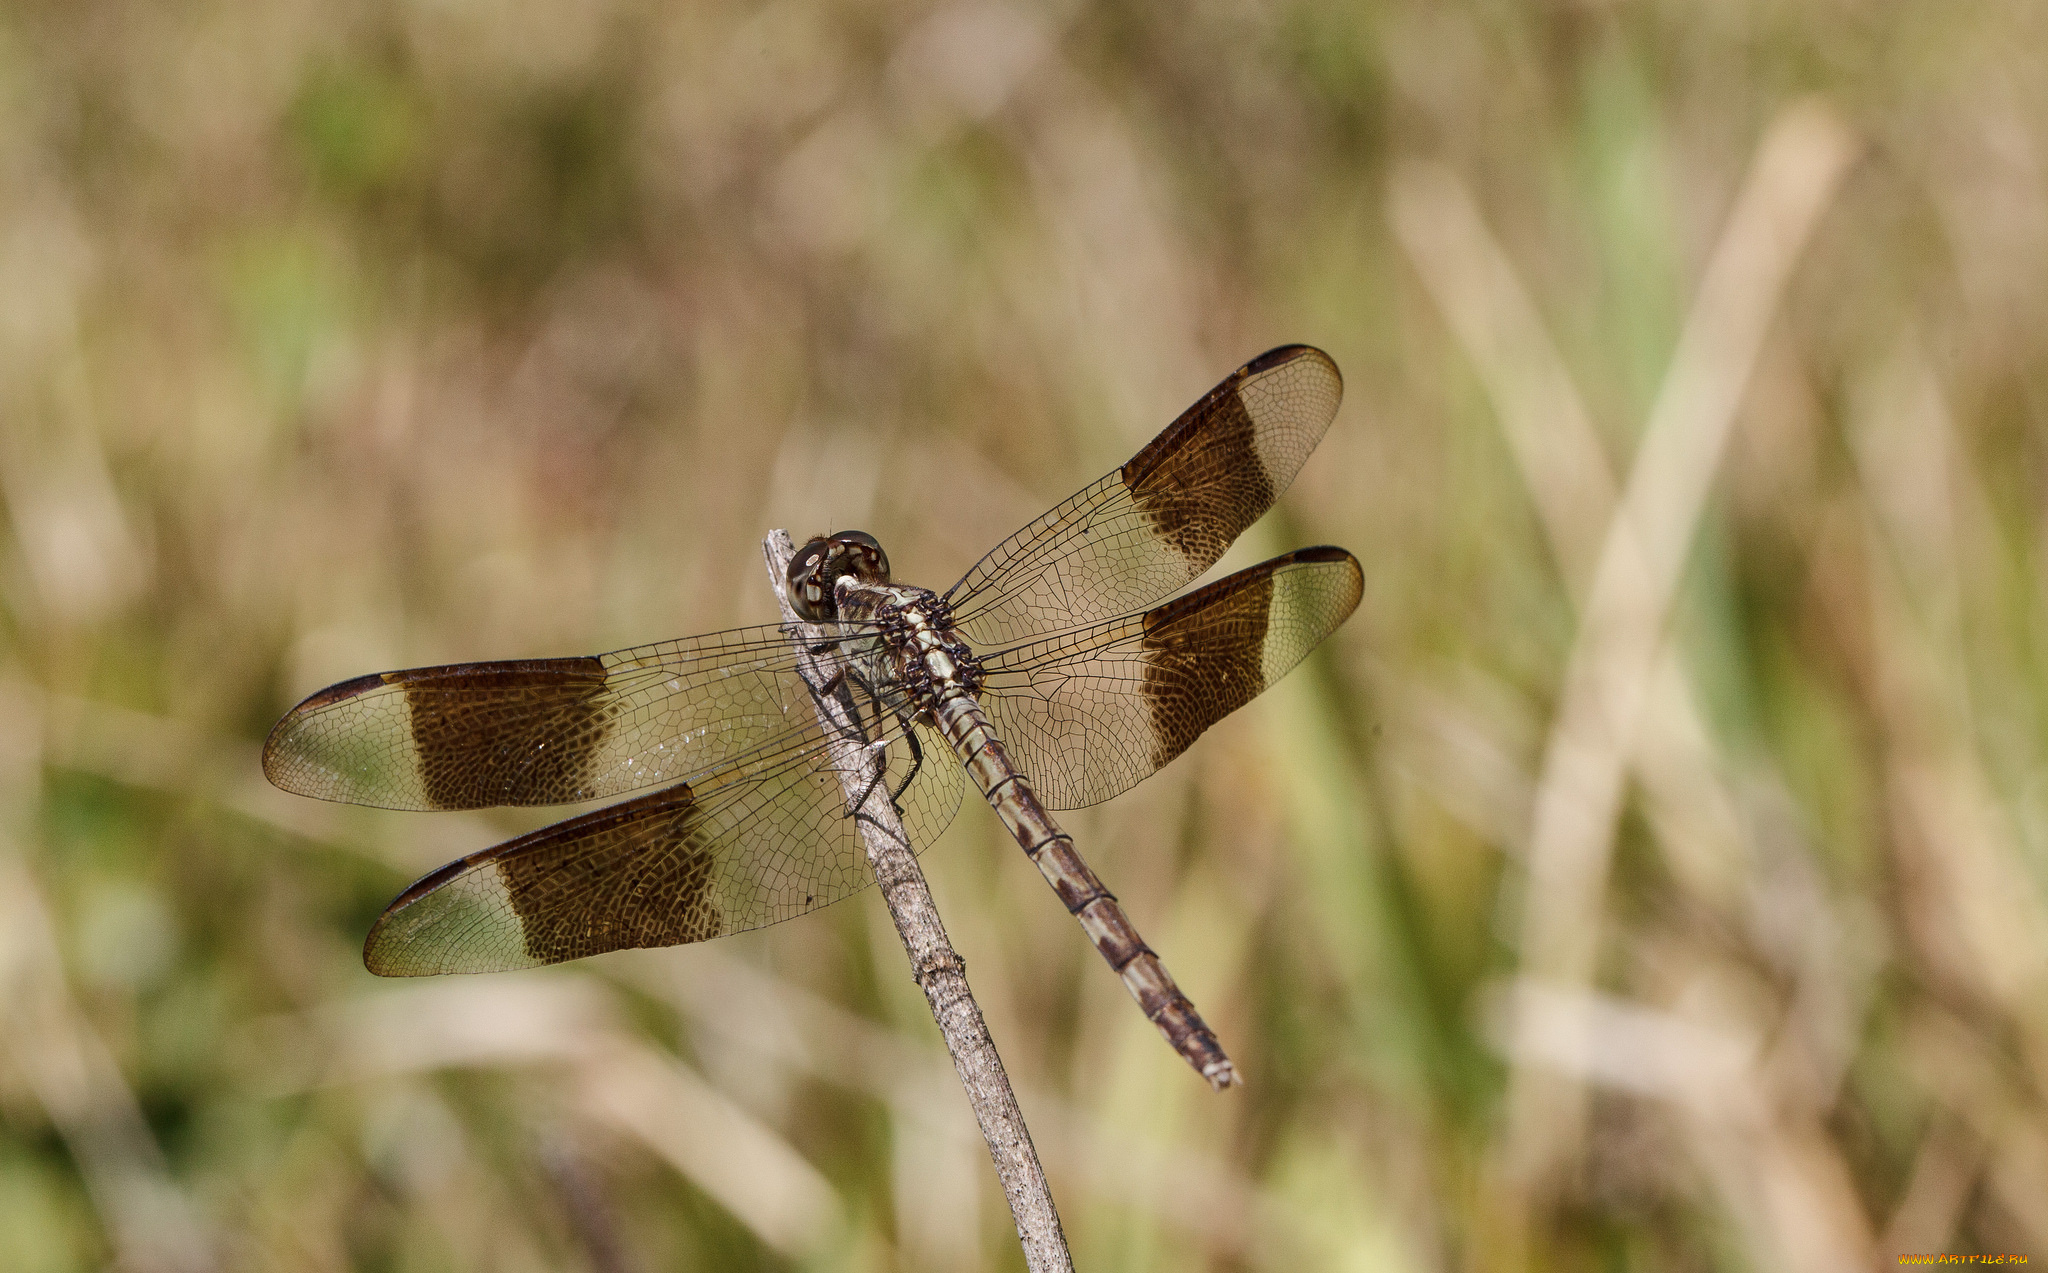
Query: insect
x=1041, y=675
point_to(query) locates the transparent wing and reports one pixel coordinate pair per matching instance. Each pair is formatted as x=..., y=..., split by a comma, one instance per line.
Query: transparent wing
x=1159, y=521
x=545, y=731
x=1089, y=713
x=764, y=842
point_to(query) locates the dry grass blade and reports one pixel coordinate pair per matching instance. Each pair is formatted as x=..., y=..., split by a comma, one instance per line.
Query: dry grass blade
x=70, y=1069
x=571, y=1026
x=1578, y=799
x=1694, y=815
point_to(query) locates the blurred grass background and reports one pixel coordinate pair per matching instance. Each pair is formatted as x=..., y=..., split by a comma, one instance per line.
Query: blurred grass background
x=1650, y=875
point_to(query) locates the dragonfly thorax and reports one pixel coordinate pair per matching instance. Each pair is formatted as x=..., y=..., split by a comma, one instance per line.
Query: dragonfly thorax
x=919, y=655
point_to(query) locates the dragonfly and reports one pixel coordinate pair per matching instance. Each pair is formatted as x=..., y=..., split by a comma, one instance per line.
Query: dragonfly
x=1042, y=676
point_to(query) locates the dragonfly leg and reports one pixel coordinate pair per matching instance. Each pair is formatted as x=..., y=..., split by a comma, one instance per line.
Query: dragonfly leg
x=875, y=748
x=834, y=687
x=844, y=682
x=849, y=680
x=916, y=763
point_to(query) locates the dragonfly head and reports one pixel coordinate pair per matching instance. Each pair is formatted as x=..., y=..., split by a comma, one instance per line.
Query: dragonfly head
x=820, y=563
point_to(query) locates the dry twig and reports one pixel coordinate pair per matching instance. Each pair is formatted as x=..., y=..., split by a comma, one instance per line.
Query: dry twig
x=939, y=970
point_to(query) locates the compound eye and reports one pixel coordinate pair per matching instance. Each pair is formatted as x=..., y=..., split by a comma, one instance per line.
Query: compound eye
x=810, y=593
x=874, y=562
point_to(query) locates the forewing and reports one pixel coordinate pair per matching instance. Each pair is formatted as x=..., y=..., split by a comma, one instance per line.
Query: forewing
x=544, y=731
x=1088, y=714
x=1159, y=521
x=687, y=863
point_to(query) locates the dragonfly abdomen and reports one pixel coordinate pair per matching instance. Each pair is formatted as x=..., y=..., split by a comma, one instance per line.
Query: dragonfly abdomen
x=966, y=728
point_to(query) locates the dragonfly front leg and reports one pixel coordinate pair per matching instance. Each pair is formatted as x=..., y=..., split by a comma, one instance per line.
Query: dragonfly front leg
x=845, y=681
x=880, y=746
x=841, y=687
x=877, y=753
x=916, y=763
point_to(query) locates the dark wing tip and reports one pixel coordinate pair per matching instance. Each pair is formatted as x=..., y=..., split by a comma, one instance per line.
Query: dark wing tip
x=1281, y=355
x=1330, y=554
x=432, y=880
x=1321, y=552
x=338, y=692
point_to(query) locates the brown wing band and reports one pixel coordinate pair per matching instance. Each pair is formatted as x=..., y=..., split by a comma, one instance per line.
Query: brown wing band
x=473, y=752
x=1201, y=482
x=1204, y=659
x=571, y=906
